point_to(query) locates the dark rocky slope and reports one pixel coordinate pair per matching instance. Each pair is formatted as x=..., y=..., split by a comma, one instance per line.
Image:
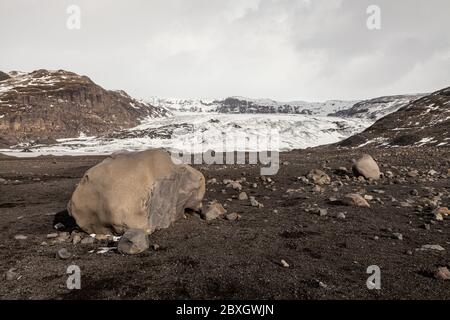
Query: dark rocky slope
x=45, y=105
x=425, y=121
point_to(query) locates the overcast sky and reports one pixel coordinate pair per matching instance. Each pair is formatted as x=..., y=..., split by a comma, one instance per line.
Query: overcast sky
x=281, y=49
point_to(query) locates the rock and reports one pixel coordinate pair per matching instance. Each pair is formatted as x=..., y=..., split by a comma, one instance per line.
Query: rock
x=341, y=215
x=243, y=196
x=319, y=177
x=133, y=241
x=414, y=192
x=20, y=237
x=11, y=274
x=284, y=263
x=138, y=190
x=432, y=172
x=354, y=199
x=444, y=211
x=52, y=235
x=255, y=203
x=63, y=254
x=212, y=181
x=442, y=273
x=368, y=197
x=77, y=238
x=319, y=211
x=254, y=185
x=232, y=216
x=59, y=226
x=236, y=185
x=155, y=246
x=2, y=181
x=431, y=247
x=413, y=173
x=88, y=240
x=63, y=236
x=397, y=235
x=213, y=211
x=366, y=167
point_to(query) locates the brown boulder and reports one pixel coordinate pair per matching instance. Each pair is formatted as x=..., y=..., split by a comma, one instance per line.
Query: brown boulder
x=366, y=167
x=319, y=177
x=140, y=190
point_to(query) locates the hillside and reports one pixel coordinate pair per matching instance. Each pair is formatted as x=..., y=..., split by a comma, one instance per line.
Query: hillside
x=45, y=105
x=425, y=121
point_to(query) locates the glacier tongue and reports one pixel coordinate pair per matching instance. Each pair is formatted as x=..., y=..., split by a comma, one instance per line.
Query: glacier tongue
x=208, y=131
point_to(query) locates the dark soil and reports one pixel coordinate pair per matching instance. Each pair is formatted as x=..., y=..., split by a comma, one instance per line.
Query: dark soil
x=222, y=259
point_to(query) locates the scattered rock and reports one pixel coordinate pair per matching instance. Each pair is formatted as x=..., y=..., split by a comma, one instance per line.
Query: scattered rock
x=255, y=203
x=77, y=238
x=366, y=167
x=133, y=241
x=59, y=226
x=243, y=196
x=436, y=247
x=442, y=273
x=236, y=185
x=284, y=263
x=232, y=216
x=52, y=235
x=319, y=211
x=11, y=274
x=63, y=254
x=341, y=215
x=397, y=235
x=88, y=240
x=443, y=211
x=354, y=199
x=20, y=237
x=319, y=177
x=213, y=211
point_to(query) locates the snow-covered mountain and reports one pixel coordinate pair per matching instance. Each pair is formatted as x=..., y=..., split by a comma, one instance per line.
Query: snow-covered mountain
x=377, y=108
x=372, y=109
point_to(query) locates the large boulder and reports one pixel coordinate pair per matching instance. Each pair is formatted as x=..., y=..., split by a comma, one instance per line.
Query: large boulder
x=140, y=190
x=366, y=167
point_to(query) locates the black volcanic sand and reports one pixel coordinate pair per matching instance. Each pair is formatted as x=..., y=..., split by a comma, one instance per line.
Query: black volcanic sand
x=222, y=259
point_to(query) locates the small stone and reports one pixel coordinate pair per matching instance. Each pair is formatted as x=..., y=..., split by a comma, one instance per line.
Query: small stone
x=133, y=241
x=354, y=199
x=232, y=216
x=255, y=203
x=88, y=240
x=11, y=274
x=63, y=254
x=414, y=192
x=59, y=226
x=212, y=181
x=432, y=172
x=436, y=247
x=2, y=181
x=376, y=238
x=243, y=196
x=413, y=173
x=284, y=263
x=341, y=215
x=235, y=185
x=368, y=197
x=76, y=238
x=397, y=235
x=213, y=211
x=155, y=246
x=20, y=237
x=52, y=235
x=442, y=273
x=319, y=177
x=443, y=211
x=255, y=185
